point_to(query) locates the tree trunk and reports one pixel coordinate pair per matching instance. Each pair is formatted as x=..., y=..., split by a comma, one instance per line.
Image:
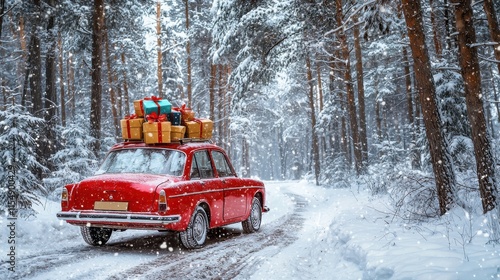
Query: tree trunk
x=61, y=81
x=213, y=77
x=315, y=146
x=125, y=87
x=220, y=103
x=489, y=9
x=361, y=93
x=495, y=94
x=344, y=141
x=71, y=84
x=223, y=109
x=351, y=102
x=322, y=139
x=22, y=37
x=414, y=153
x=50, y=87
x=188, y=53
x=227, y=109
x=33, y=72
x=158, y=48
x=119, y=93
x=2, y=11
x=438, y=146
x=96, y=94
x=378, y=119
x=435, y=36
x=320, y=85
x=447, y=24
x=112, y=95
x=245, y=157
x=469, y=64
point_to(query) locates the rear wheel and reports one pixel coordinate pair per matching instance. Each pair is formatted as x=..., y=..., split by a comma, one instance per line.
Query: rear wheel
x=196, y=233
x=96, y=236
x=252, y=223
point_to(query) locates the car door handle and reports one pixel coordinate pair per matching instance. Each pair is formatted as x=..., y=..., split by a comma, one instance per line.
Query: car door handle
x=223, y=181
x=202, y=183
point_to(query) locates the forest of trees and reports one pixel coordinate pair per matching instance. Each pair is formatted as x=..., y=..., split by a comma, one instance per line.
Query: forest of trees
x=402, y=95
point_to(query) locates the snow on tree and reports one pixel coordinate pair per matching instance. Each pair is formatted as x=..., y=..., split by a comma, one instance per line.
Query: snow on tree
x=19, y=131
x=74, y=162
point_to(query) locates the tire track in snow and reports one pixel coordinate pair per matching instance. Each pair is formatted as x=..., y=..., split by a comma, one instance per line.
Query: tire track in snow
x=35, y=263
x=231, y=255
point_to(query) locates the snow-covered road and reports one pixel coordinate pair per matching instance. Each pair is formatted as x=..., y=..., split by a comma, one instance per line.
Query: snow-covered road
x=310, y=233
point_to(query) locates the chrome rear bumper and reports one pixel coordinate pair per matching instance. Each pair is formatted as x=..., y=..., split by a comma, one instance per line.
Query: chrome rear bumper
x=118, y=218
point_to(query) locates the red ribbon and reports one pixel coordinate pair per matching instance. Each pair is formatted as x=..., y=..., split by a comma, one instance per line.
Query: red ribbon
x=142, y=107
x=128, y=118
x=184, y=110
x=131, y=117
x=155, y=99
x=153, y=117
x=160, y=136
x=201, y=126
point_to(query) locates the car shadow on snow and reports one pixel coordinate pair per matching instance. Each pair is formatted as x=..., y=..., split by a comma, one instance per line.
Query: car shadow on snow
x=162, y=242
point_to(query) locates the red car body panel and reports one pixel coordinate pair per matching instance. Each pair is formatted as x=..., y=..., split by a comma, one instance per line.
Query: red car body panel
x=227, y=199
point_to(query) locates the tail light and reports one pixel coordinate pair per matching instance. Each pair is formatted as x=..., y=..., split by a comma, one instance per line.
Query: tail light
x=162, y=202
x=64, y=195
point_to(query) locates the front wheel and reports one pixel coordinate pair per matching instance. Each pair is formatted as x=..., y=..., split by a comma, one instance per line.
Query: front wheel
x=252, y=223
x=196, y=233
x=96, y=236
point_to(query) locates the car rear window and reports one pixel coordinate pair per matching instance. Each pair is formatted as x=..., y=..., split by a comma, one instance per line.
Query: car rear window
x=150, y=161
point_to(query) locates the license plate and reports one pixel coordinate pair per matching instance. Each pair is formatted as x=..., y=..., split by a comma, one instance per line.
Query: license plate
x=111, y=205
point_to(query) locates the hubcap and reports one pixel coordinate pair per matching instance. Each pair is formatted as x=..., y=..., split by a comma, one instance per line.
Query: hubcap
x=199, y=228
x=255, y=216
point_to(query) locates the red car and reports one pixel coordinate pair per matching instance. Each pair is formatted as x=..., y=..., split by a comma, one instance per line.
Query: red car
x=182, y=187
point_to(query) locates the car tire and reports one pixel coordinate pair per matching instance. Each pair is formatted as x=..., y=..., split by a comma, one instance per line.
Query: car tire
x=252, y=223
x=96, y=236
x=196, y=233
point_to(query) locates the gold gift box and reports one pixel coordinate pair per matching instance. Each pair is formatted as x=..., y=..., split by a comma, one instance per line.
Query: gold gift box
x=138, y=108
x=152, y=133
x=131, y=128
x=177, y=132
x=201, y=128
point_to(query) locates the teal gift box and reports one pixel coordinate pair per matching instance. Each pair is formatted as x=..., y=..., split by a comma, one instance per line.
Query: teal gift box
x=158, y=106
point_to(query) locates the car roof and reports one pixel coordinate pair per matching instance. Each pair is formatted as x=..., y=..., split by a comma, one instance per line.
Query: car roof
x=185, y=146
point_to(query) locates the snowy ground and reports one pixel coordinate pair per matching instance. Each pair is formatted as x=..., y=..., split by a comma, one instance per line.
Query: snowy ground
x=310, y=233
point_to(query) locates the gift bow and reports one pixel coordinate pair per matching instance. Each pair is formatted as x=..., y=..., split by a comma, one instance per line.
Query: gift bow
x=131, y=117
x=153, y=117
x=181, y=109
x=154, y=98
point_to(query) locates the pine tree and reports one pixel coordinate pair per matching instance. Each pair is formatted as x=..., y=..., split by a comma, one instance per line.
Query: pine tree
x=75, y=161
x=18, y=137
x=440, y=158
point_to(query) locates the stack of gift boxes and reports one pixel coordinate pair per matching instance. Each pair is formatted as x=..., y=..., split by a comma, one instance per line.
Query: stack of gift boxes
x=156, y=121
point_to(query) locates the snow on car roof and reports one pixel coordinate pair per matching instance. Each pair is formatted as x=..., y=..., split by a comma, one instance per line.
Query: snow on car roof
x=184, y=145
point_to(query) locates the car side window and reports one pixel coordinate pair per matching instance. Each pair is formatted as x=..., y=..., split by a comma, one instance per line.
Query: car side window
x=221, y=164
x=201, y=166
x=195, y=174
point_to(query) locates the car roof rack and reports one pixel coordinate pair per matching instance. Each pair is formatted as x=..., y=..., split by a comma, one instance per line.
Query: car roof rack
x=182, y=141
x=193, y=140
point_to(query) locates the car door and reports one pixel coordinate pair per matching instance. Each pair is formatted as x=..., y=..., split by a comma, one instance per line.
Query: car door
x=212, y=193
x=235, y=203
